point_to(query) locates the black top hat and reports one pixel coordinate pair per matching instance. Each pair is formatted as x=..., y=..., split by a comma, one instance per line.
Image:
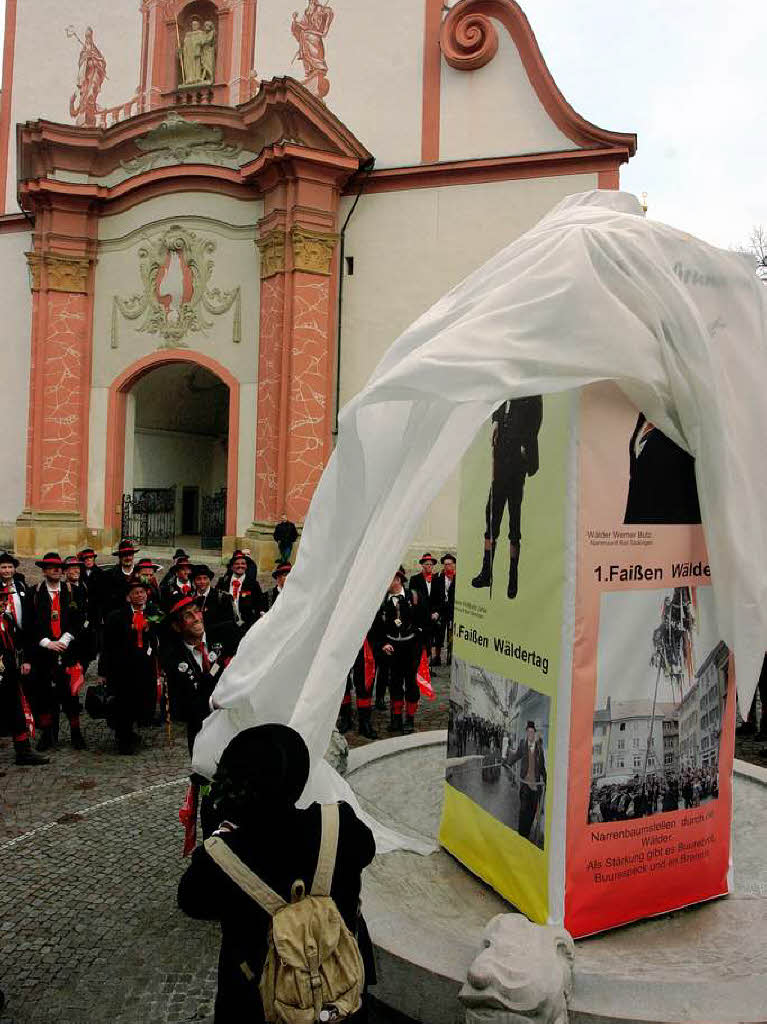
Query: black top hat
x=182, y=560
x=241, y=554
x=427, y=557
x=182, y=603
x=87, y=553
x=402, y=574
x=125, y=547
x=6, y=557
x=136, y=580
x=50, y=560
x=282, y=569
x=179, y=553
x=448, y=556
x=530, y=725
x=146, y=563
x=202, y=570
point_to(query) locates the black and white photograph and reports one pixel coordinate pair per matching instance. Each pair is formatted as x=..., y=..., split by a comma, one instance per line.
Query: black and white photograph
x=497, y=747
x=658, y=715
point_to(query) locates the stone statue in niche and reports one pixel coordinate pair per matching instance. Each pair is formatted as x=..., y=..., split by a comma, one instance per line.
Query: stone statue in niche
x=310, y=32
x=197, y=53
x=91, y=72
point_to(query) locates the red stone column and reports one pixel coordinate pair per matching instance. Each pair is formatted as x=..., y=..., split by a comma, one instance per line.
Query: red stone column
x=60, y=379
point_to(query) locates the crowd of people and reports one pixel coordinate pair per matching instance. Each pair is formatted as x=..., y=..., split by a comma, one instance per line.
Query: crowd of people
x=410, y=629
x=159, y=643
x=672, y=791
x=155, y=642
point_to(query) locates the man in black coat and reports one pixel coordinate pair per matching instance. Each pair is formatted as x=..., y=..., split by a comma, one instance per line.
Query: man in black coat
x=17, y=587
x=397, y=639
x=662, y=486
x=240, y=581
x=83, y=649
x=13, y=702
x=114, y=580
x=285, y=536
x=424, y=584
x=52, y=623
x=532, y=777
x=279, y=576
x=260, y=776
x=514, y=441
x=192, y=660
x=129, y=663
x=216, y=605
x=445, y=595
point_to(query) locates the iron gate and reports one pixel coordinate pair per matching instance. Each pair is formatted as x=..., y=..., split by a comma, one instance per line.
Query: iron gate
x=149, y=516
x=213, y=516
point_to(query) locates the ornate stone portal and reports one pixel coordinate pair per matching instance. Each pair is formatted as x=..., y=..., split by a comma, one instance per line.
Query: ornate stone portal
x=176, y=269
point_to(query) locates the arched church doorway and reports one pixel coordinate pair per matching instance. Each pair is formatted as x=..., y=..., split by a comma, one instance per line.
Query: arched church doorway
x=173, y=453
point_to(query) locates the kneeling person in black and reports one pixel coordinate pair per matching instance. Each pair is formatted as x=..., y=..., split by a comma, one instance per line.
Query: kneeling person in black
x=193, y=658
x=260, y=776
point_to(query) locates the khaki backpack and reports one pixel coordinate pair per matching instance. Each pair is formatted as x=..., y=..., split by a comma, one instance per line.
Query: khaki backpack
x=313, y=970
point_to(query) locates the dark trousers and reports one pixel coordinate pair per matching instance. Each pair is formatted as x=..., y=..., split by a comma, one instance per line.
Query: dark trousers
x=51, y=691
x=13, y=721
x=135, y=698
x=507, y=489
x=286, y=550
x=528, y=805
x=401, y=669
x=355, y=683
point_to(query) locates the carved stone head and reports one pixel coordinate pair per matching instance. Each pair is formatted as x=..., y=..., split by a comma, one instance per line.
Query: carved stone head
x=523, y=973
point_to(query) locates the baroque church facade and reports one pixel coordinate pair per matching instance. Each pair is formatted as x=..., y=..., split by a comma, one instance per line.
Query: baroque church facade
x=217, y=216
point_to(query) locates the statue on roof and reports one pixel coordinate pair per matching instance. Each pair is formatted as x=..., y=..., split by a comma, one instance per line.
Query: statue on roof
x=91, y=72
x=310, y=32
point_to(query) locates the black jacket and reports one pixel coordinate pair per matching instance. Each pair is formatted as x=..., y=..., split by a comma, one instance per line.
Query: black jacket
x=540, y=761
x=285, y=533
x=445, y=596
x=280, y=850
x=123, y=662
x=37, y=621
x=113, y=583
x=407, y=611
x=217, y=607
x=662, y=486
x=516, y=448
x=429, y=600
x=252, y=600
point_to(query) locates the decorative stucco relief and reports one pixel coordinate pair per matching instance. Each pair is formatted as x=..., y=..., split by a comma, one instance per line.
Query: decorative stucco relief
x=310, y=32
x=64, y=354
x=312, y=250
x=178, y=141
x=176, y=268
x=270, y=349
x=309, y=392
x=63, y=273
x=91, y=72
x=272, y=249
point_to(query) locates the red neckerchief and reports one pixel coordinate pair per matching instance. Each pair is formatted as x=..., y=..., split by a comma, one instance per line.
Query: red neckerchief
x=140, y=623
x=203, y=650
x=236, y=584
x=56, y=615
x=5, y=635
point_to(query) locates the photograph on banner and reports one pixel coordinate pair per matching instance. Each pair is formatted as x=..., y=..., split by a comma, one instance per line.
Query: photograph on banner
x=497, y=747
x=508, y=606
x=658, y=715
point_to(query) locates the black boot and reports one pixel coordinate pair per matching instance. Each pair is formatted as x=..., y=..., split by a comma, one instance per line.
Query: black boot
x=409, y=724
x=46, y=738
x=395, y=725
x=344, y=720
x=485, y=576
x=513, y=577
x=77, y=738
x=26, y=756
x=365, y=726
x=381, y=703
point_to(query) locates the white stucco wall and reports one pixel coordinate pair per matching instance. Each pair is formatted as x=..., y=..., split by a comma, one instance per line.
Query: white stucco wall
x=14, y=394
x=494, y=111
x=374, y=53
x=409, y=248
x=45, y=61
x=231, y=225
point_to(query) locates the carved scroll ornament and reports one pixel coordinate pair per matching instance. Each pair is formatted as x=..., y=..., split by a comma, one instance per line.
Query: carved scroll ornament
x=468, y=38
x=176, y=269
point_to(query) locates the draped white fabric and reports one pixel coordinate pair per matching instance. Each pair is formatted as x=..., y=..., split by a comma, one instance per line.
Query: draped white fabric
x=594, y=292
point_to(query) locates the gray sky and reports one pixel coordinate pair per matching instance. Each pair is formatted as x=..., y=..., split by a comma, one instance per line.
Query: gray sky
x=690, y=78
x=636, y=613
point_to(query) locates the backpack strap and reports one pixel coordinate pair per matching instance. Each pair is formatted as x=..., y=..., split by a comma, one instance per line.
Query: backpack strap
x=326, y=861
x=241, y=875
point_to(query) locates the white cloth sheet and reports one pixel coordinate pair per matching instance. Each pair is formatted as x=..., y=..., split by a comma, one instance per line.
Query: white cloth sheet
x=594, y=291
